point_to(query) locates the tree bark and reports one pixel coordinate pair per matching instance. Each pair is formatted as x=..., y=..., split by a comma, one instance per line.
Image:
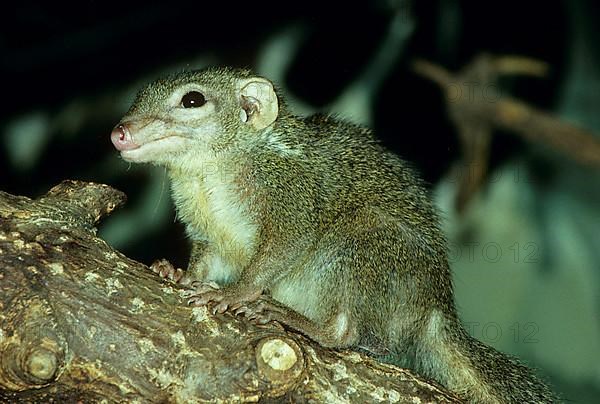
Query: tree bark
x=81, y=322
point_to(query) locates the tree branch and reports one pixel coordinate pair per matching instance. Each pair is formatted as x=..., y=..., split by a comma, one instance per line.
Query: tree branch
x=80, y=321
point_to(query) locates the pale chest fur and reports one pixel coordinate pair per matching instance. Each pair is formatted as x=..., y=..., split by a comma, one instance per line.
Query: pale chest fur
x=212, y=210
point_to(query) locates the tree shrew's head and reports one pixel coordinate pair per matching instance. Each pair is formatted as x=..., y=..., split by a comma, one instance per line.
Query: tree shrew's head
x=194, y=116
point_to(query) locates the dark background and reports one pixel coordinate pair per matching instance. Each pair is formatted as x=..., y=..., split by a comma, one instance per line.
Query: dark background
x=70, y=70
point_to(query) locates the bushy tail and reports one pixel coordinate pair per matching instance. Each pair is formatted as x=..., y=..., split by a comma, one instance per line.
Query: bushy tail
x=475, y=371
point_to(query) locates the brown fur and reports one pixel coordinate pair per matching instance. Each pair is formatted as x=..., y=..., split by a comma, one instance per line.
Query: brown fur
x=316, y=213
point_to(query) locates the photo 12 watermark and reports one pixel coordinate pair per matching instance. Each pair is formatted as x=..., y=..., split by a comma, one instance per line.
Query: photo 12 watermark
x=517, y=332
x=492, y=252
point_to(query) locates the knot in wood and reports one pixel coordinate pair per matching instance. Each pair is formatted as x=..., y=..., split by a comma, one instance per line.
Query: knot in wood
x=42, y=364
x=26, y=366
x=280, y=361
x=278, y=355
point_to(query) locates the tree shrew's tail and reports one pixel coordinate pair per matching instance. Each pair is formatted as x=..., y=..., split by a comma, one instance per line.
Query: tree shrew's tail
x=474, y=371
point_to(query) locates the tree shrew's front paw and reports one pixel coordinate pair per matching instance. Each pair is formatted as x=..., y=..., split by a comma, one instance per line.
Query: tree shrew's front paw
x=166, y=270
x=220, y=299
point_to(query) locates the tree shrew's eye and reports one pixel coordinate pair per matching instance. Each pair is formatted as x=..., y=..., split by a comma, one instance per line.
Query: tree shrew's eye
x=193, y=99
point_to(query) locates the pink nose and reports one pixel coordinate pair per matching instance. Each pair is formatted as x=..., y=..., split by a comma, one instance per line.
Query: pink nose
x=121, y=138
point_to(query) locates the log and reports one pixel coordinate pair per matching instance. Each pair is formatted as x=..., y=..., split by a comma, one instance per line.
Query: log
x=81, y=322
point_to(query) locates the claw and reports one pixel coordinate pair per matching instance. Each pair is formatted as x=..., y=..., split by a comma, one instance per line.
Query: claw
x=194, y=301
x=204, y=298
x=166, y=270
x=258, y=312
x=203, y=292
x=220, y=308
x=221, y=300
x=199, y=287
x=190, y=293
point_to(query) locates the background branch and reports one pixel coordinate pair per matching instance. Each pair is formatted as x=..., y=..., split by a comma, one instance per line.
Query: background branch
x=477, y=106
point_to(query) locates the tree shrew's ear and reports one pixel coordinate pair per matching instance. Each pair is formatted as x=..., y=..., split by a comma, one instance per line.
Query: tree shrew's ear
x=258, y=101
